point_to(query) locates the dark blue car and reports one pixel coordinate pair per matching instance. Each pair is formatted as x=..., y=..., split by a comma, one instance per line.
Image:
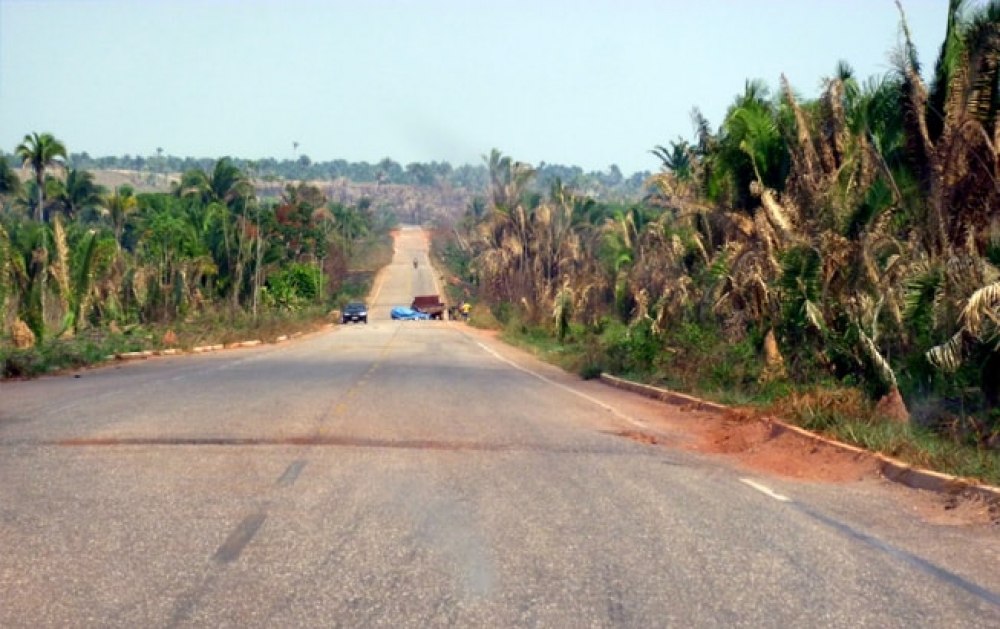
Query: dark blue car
x=356, y=312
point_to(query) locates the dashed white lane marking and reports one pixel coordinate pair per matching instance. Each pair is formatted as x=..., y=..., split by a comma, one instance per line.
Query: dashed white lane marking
x=767, y=491
x=592, y=400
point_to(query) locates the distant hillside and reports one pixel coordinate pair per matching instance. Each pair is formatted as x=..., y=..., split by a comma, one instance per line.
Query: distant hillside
x=154, y=173
x=408, y=202
x=140, y=181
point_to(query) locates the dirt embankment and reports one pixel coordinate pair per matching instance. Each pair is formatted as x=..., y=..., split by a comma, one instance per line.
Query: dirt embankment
x=761, y=445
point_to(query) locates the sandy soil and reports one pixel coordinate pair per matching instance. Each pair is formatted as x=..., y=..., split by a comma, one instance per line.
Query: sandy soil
x=758, y=444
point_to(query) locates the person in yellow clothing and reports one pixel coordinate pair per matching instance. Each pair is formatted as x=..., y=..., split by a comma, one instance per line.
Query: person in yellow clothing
x=464, y=309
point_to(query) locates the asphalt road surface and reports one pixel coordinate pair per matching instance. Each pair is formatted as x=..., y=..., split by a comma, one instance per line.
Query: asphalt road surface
x=419, y=474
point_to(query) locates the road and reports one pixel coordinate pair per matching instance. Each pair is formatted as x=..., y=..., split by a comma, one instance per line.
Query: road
x=421, y=474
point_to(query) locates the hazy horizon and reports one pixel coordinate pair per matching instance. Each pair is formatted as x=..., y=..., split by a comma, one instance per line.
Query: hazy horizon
x=420, y=80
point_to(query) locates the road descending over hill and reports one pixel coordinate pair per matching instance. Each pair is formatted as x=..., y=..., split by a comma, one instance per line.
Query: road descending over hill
x=422, y=474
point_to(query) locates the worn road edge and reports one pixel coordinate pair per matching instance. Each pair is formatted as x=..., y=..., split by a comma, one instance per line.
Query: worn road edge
x=892, y=469
x=175, y=351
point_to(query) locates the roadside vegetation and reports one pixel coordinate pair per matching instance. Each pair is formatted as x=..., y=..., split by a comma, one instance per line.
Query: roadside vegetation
x=834, y=260
x=87, y=272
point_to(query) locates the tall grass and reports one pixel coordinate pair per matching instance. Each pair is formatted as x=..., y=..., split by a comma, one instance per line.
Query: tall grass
x=97, y=345
x=845, y=415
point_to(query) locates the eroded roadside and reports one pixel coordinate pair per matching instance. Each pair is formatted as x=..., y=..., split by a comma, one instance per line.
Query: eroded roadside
x=752, y=443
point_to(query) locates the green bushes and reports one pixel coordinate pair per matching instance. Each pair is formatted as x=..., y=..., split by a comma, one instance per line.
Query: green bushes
x=630, y=350
x=294, y=286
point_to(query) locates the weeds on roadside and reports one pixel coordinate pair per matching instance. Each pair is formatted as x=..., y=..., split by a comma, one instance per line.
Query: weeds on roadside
x=54, y=355
x=96, y=346
x=846, y=415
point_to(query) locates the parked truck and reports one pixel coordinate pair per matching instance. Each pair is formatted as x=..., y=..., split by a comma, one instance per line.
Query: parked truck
x=430, y=305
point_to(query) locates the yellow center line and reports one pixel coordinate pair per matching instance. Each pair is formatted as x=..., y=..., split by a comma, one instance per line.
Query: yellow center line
x=340, y=409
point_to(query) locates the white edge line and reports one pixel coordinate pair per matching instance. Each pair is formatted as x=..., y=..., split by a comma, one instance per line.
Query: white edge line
x=767, y=491
x=590, y=399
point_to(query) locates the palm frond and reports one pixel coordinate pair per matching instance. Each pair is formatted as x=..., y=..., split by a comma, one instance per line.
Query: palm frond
x=814, y=314
x=60, y=268
x=779, y=215
x=950, y=355
x=982, y=304
x=881, y=364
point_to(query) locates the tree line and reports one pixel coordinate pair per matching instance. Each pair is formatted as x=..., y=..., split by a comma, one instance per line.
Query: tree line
x=75, y=255
x=853, y=238
x=610, y=183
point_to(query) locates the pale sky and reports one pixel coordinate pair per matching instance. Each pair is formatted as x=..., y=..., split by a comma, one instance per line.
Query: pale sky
x=588, y=83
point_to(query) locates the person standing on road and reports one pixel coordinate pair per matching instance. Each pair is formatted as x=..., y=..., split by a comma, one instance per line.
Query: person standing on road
x=465, y=308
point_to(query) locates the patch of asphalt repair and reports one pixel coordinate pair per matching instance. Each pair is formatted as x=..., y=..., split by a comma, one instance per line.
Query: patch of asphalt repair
x=291, y=473
x=240, y=537
x=231, y=549
x=363, y=443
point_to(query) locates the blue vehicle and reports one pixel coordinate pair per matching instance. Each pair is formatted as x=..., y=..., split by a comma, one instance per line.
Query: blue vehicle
x=403, y=313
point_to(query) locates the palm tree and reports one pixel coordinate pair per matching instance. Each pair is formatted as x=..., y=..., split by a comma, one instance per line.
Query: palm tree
x=226, y=184
x=9, y=183
x=676, y=159
x=27, y=270
x=751, y=149
x=119, y=205
x=40, y=152
x=508, y=180
x=952, y=128
x=225, y=191
x=92, y=259
x=505, y=232
x=79, y=193
x=349, y=223
x=174, y=257
x=7, y=275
